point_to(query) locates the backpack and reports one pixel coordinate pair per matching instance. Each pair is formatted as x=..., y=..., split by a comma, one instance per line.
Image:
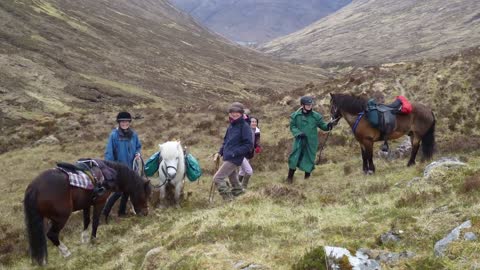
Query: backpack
x=192, y=168
x=152, y=164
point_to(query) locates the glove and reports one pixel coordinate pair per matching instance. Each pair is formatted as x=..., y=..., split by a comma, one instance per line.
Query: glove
x=258, y=149
x=301, y=135
x=330, y=125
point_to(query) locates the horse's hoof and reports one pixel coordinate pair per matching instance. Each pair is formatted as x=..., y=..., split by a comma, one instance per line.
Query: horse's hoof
x=64, y=250
x=410, y=164
x=85, y=237
x=177, y=206
x=370, y=172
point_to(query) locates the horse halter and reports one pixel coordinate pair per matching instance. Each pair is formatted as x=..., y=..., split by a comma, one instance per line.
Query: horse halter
x=165, y=171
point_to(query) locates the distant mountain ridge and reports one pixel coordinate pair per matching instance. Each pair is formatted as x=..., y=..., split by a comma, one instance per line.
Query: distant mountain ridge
x=253, y=21
x=369, y=31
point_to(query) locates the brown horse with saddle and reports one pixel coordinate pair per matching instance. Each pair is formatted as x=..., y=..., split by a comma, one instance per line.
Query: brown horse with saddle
x=54, y=196
x=419, y=124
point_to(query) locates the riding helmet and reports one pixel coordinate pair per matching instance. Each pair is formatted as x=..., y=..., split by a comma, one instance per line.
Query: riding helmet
x=306, y=100
x=124, y=116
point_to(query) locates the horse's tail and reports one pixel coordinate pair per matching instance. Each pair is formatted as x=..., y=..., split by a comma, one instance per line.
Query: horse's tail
x=34, y=223
x=428, y=141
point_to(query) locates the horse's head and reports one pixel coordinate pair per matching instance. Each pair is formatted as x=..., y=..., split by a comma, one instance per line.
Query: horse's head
x=141, y=196
x=335, y=113
x=171, y=153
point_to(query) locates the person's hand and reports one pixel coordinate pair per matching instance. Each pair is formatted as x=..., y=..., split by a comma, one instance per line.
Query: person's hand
x=258, y=149
x=216, y=156
x=301, y=135
x=330, y=125
x=137, y=155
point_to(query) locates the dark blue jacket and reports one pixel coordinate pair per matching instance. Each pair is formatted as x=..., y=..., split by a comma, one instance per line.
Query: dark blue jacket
x=122, y=149
x=238, y=142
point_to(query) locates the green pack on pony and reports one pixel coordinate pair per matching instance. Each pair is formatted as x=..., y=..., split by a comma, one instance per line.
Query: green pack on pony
x=193, y=170
x=152, y=164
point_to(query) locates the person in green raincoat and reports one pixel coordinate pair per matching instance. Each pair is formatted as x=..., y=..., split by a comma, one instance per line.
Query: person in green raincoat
x=303, y=125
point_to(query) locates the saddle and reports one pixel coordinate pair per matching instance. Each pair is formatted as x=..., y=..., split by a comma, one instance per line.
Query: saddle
x=383, y=117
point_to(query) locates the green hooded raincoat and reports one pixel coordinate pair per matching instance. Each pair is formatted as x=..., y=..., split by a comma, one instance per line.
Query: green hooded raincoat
x=305, y=149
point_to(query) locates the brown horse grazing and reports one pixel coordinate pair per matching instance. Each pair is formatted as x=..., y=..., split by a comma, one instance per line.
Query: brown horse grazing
x=419, y=125
x=50, y=196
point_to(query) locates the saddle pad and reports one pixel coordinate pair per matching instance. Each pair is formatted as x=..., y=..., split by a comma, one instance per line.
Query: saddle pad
x=79, y=179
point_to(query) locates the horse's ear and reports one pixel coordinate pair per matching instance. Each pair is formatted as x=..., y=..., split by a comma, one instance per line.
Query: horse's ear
x=159, y=147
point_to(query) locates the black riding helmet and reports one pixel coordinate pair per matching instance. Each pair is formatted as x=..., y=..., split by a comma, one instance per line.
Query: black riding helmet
x=124, y=116
x=306, y=100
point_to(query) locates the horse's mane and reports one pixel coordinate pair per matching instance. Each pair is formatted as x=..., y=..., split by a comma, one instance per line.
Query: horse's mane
x=349, y=103
x=127, y=177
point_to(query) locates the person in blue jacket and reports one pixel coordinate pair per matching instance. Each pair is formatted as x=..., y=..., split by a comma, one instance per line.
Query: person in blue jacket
x=237, y=144
x=123, y=146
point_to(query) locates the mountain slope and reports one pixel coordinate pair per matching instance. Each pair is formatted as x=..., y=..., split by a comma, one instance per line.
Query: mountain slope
x=369, y=31
x=61, y=58
x=252, y=21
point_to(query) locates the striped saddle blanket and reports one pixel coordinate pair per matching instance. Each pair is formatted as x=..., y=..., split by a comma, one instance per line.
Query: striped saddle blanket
x=78, y=179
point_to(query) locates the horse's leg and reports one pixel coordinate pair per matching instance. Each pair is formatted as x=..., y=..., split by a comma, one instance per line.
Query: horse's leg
x=369, y=157
x=415, y=140
x=364, y=159
x=178, y=192
x=162, y=203
x=97, y=212
x=53, y=233
x=86, y=221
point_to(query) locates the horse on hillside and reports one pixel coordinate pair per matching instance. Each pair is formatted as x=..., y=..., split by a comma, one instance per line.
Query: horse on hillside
x=419, y=125
x=171, y=171
x=50, y=196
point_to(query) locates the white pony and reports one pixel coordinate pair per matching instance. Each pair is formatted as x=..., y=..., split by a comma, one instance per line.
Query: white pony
x=171, y=170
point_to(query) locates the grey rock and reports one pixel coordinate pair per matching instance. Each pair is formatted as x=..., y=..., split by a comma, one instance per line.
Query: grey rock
x=442, y=245
x=470, y=236
x=360, y=261
x=50, y=140
x=444, y=162
x=389, y=237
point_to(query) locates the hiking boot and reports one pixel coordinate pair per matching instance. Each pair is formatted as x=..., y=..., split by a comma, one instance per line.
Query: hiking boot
x=289, y=179
x=225, y=192
x=227, y=196
x=237, y=191
x=245, y=181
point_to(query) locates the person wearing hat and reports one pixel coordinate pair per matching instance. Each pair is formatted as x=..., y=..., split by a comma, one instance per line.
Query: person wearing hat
x=237, y=144
x=303, y=125
x=123, y=146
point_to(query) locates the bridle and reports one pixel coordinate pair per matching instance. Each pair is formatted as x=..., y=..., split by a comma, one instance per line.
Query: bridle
x=335, y=114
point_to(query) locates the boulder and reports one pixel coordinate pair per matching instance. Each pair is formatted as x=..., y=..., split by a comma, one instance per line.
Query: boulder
x=50, y=140
x=442, y=245
x=444, y=163
x=360, y=261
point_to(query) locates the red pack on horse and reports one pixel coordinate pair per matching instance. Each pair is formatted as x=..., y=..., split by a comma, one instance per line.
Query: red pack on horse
x=51, y=196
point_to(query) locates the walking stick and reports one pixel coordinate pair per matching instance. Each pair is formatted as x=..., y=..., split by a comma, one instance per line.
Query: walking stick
x=212, y=187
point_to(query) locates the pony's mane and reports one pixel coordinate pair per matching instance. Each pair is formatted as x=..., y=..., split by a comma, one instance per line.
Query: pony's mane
x=127, y=177
x=169, y=150
x=349, y=103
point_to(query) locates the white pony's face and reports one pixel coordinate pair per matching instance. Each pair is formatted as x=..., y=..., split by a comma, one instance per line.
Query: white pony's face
x=170, y=153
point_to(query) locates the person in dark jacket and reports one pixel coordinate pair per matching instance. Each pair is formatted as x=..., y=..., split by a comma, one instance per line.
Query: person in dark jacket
x=123, y=146
x=237, y=144
x=246, y=170
x=303, y=125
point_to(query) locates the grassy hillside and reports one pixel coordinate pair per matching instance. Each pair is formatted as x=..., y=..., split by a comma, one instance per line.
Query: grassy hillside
x=274, y=225
x=368, y=31
x=60, y=60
